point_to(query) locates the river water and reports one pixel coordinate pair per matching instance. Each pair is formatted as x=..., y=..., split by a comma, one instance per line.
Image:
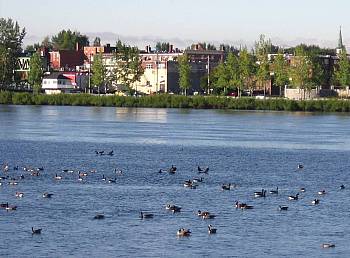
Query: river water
x=252, y=150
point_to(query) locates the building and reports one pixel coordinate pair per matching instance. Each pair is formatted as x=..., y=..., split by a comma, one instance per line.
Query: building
x=57, y=83
x=66, y=60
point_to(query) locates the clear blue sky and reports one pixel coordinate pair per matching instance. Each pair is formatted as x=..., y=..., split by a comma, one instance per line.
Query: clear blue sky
x=221, y=20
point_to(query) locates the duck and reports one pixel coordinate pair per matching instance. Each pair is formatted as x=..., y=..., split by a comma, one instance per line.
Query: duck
x=57, y=177
x=300, y=166
x=315, y=202
x=80, y=178
x=21, y=176
x=19, y=194
x=173, y=208
x=144, y=215
x=99, y=216
x=243, y=206
x=260, y=194
x=101, y=152
x=40, y=169
x=274, y=191
x=293, y=197
x=182, y=232
x=15, y=167
x=302, y=189
x=47, y=195
x=328, y=245
x=226, y=187
x=13, y=182
x=110, y=153
x=282, y=208
x=322, y=192
x=35, y=173
x=36, y=231
x=211, y=229
x=342, y=187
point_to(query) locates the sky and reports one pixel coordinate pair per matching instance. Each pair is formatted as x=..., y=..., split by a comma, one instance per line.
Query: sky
x=142, y=22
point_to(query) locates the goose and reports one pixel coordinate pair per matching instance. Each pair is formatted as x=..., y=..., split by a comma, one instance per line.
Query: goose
x=101, y=152
x=243, y=206
x=322, y=192
x=47, y=195
x=15, y=168
x=183, y=232
x=204, y=171
x=274, y=191
x=173, y=208
x=112, y=181
x=40, y=169
x=99, y=216
x=226, y=187
x=13, y=182
x=315, y=202
x=118, y=172
x=57, y=177
x=282, y=208
x=19, y=194
x=103, y=178
x=260, y=194
x=36, y=231
x=144, y=215
x=208, y=216
x=21, y=177
x=211, y=229
x=35, y=173
x=197, y=180
x=302, y=189
x=96, y=152
x=173, y=169
x=291, y=197
x=10, y=208
x=83, y=174
x=328, y=245
x=80, y=178
x=110, y=153
x=93, y=171
x=300, y=166
x=5, y=168
x=188, y=183
x=342, y=187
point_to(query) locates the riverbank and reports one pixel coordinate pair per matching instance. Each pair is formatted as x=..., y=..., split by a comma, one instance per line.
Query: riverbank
x=176, y=101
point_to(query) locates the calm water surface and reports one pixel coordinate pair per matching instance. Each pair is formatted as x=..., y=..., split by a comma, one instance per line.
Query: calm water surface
x=254, y=150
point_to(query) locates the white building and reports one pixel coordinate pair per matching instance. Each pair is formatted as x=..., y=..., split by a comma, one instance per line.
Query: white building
x=57, y=83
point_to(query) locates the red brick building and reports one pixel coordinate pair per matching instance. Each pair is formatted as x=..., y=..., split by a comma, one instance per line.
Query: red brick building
x=65, y=60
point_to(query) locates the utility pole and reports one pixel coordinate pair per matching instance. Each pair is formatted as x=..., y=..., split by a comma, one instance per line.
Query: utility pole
x=89, y=90
x=208, y=74
x=157, y=73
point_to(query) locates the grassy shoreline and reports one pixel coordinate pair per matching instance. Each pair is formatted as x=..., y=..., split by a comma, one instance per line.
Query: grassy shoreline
x=176, y=101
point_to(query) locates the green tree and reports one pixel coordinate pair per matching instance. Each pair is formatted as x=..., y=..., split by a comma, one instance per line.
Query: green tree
x=221, y=79
x=232, y=67
x=246, y=71
x=262, y=49
x=184, y=73
x=67, y=40
x=11, y=37
x=280, y=69
x=99, y=73
x=301, y=70
x=128, y=66
x=35, y=73
x=342, y=73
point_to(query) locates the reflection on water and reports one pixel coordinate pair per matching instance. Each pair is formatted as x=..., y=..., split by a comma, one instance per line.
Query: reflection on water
x=142, y=115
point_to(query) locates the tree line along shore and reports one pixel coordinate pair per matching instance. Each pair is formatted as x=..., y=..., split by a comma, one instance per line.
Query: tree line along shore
x=176, y=101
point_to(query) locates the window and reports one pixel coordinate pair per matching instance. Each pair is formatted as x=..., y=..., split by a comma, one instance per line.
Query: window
x=149, y=66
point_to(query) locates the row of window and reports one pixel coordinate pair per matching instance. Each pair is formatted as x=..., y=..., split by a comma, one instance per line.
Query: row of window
x=60, y=82
x=150, y=66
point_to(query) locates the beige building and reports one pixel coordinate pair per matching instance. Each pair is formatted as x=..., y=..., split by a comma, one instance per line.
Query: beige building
x=155, y=77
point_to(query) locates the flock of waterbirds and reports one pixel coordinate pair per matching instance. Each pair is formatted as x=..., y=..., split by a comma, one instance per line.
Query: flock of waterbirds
x=13, y=180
